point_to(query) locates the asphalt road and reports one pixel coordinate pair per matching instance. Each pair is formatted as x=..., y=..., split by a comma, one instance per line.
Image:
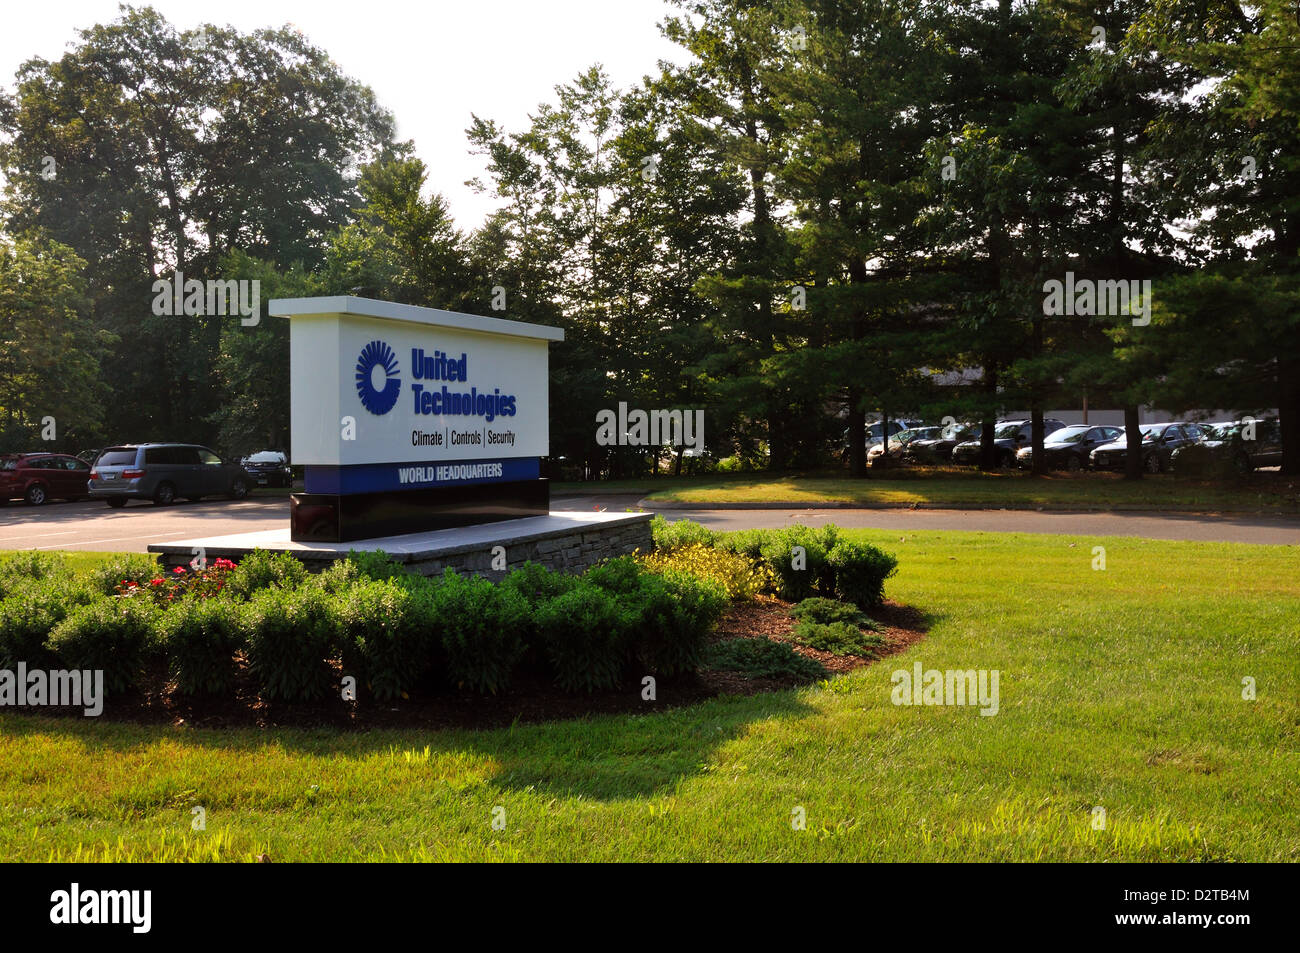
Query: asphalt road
x=93, y=526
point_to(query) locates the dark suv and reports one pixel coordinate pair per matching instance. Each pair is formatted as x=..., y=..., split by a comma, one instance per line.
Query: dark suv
x=1008, y=436
x=163, y=471
x=37, y=477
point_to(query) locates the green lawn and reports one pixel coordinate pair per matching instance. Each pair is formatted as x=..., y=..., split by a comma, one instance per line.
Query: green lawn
x=1119, y=688
x=1266, y=492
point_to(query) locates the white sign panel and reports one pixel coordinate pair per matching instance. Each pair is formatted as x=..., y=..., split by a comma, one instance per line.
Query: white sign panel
x=375, y=382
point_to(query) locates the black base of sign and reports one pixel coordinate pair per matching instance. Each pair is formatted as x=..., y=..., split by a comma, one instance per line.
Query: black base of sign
x=329, y=518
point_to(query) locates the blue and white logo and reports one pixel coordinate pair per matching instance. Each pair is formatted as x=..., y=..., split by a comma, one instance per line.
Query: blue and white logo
x=378, y=385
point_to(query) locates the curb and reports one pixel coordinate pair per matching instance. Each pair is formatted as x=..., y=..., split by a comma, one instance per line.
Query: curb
x=959, y=507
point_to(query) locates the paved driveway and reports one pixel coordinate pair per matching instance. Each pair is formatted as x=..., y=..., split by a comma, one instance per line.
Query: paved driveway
x=93, y=526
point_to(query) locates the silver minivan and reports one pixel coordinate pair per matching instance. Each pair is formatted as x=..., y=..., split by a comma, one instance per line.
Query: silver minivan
x=161, y=472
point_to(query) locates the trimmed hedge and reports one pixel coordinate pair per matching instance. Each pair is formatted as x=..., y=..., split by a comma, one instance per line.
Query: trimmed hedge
x=115, y=635
x=200, y=638
x=860, y=571
x=31, y=612
x=19, y=568
x=680, y=533
x=395, y=631
x=261, y=570
x=482, y=629
x=385, y=633
x=291, y=635
x=584, y=634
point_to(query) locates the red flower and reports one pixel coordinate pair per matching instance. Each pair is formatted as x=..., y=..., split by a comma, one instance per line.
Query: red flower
x=179, y=569
x=155, y=582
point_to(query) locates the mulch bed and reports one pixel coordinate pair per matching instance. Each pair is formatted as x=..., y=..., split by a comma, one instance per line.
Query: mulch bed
x=531, y=698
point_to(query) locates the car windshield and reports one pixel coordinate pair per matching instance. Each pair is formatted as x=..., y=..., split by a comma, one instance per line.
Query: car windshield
x=1069, y=434
x=1007, y=432
x=1150, y=432
x=10, y=464
x=116, y=457
x=266, y=456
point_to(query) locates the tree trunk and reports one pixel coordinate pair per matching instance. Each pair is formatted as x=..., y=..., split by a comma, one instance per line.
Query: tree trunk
x=1036, y=408
x=988, y=452
x=1133, y=443
x=1036, y=438
x=1288, y=409
x=857, y=435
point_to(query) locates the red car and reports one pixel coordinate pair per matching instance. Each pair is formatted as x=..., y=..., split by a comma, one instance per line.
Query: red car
x=37, y=477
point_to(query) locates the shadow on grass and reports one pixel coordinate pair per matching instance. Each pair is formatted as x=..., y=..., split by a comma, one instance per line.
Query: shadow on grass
x=605, y=757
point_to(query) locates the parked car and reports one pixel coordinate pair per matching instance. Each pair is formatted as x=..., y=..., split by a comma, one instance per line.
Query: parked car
x=1159, y=441
x=938, y=449
x=163, y=471
x=899, y=441
x=268, y=468
x=875, y=430
x=1226, y=448
x=38, y=477
x=1069, y=447
x=1008, y=436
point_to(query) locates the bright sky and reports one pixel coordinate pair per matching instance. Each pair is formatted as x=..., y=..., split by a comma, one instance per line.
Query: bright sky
x=430, y=63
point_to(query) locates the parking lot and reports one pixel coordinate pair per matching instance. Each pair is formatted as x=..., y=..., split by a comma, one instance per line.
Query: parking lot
x=92, y=526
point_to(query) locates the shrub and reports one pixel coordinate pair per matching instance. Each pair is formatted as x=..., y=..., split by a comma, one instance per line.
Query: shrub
x=19, y=568
x=375, y=564
x=290, y=635
x=30, y=613
x=384, y=632
x=671, y=613
x=799, y=579
x=825, y=611
x=741, y=576
x=262, y=569
x=482, y=629
x=583, y=634
x=538, y=584
x=748, y=542
x=620, y=576
x=201, y=637
x=122, y=569
x=680, y=533
x=838, y=638
x=763, y=658
x=339, y=577
x=675, y=613
x=860, y=572
x=115, y=635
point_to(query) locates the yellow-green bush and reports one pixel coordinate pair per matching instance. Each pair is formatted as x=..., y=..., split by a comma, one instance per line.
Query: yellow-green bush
x=743, y=577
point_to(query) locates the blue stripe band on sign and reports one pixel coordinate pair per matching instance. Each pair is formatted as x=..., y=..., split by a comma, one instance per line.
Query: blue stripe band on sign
x=385, y=477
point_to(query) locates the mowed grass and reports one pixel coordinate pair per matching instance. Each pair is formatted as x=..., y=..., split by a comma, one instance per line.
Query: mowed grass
x=940, y=487
x=1120, y=689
